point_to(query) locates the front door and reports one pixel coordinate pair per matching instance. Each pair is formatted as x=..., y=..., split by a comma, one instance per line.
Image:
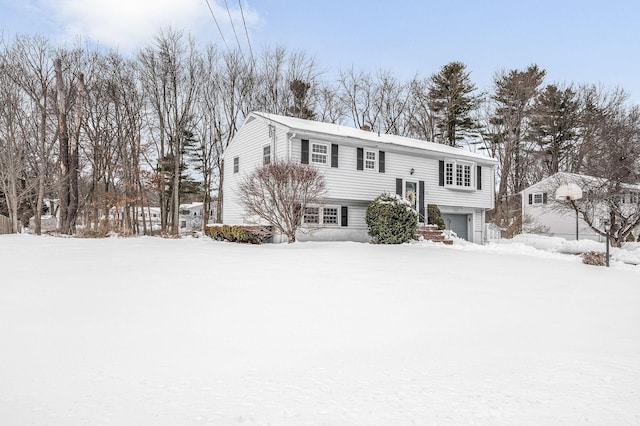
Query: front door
x=411, y=193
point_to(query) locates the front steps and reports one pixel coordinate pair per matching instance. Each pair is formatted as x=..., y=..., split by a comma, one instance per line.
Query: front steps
x=432, y=233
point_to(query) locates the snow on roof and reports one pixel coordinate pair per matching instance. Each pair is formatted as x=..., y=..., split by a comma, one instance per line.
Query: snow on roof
x=566, y=177
x=310, y=126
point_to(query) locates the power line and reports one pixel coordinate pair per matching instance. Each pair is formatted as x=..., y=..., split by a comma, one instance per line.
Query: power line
x=244, y=22
x=216, y=21
x=233, y=27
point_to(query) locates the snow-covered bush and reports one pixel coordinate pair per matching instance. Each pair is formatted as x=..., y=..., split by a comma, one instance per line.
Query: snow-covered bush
x=391, y=220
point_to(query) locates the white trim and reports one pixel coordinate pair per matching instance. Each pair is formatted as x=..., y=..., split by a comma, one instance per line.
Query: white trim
x=264, y=155
x=373, y=160
x=320, y=214
x=460, y=174
x=319, y=154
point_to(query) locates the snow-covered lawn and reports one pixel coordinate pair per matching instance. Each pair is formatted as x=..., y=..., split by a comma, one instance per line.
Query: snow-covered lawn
x=148, y=331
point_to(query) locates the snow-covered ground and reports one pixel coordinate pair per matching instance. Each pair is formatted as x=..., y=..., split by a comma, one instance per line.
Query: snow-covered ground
x=149, y=331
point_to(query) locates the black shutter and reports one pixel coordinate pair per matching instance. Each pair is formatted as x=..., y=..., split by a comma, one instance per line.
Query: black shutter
x=334, y=155
x=360, y=159
x=421, y=200
x=479, y=177
x=381, y=160
x=305, y=151
x=344, y=216
x=399, y=187
x=544, y=198
x=530, y=198
x=441, y=173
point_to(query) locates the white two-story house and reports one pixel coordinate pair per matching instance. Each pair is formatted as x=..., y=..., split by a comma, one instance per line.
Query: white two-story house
x=359, y=165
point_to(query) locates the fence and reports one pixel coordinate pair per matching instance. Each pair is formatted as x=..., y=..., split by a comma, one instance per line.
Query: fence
x=6, y=227
x=491, y=232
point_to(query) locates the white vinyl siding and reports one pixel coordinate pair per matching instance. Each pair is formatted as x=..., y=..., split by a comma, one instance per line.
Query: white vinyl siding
x=345, y=185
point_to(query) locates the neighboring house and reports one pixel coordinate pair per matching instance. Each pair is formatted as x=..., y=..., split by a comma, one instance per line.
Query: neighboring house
x=191, y=215
x=543, y=214
x=359, y=165
x=150, y=216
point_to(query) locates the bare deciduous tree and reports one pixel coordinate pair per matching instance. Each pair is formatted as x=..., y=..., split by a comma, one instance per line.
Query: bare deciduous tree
x=171, y=74
x=277, y=193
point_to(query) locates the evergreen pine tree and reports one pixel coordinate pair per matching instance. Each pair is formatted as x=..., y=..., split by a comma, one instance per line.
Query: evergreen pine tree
x=554, y=126
x=451, y=100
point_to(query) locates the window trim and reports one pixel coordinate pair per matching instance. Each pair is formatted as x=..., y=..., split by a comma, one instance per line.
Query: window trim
x=460, y=174
x=308, y=213
x=321, y=216
x=266, y=157
x=370, y=161
x=313, y=153
x=542, y=198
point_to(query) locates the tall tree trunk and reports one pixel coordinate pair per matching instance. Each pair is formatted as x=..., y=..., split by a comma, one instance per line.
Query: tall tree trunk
x=63, y=139
x=177, y=159
x=72, y=213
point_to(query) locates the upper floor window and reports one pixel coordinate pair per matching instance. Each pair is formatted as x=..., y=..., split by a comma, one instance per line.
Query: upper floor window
x=458, y=174
x=370, y=160
x=266, y=154
x=319, y=153
x=236, y=164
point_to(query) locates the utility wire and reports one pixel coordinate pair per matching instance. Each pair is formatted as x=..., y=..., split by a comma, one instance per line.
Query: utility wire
x=244, y=22
x=233, y=27
x=216, y=21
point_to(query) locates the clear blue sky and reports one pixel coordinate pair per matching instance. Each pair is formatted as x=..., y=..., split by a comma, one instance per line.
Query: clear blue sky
x=575, y=41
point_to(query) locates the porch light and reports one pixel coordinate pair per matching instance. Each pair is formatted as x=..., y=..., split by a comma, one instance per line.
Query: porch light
x=412, y=171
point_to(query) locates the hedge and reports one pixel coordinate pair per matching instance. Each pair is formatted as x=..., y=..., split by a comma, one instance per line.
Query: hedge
x=238, y=233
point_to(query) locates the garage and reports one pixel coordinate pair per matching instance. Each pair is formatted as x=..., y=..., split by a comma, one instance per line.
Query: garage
x=458, y=223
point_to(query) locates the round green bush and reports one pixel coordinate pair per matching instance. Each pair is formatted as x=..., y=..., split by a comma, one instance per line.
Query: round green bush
x=391, y=220
x=434, y=216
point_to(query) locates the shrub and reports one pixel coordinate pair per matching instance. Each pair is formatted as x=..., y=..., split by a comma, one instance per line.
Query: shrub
x=391, y=220
x=434, y=217
x=238, y=233
x=594, y=258
x=278, y=192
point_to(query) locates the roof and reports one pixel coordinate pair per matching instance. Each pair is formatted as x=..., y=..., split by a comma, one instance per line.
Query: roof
x=316, y=127
x=566, y=177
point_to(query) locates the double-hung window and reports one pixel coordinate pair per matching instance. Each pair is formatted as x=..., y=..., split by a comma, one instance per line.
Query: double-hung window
x=236, y=164
x=266, y=154
x=369, y=160
x=311, y=215
x=321, y=215
x=319, y=153
x=330, y=215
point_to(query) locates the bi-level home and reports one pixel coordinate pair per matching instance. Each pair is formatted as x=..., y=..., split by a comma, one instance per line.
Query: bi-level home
x=358, y=165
